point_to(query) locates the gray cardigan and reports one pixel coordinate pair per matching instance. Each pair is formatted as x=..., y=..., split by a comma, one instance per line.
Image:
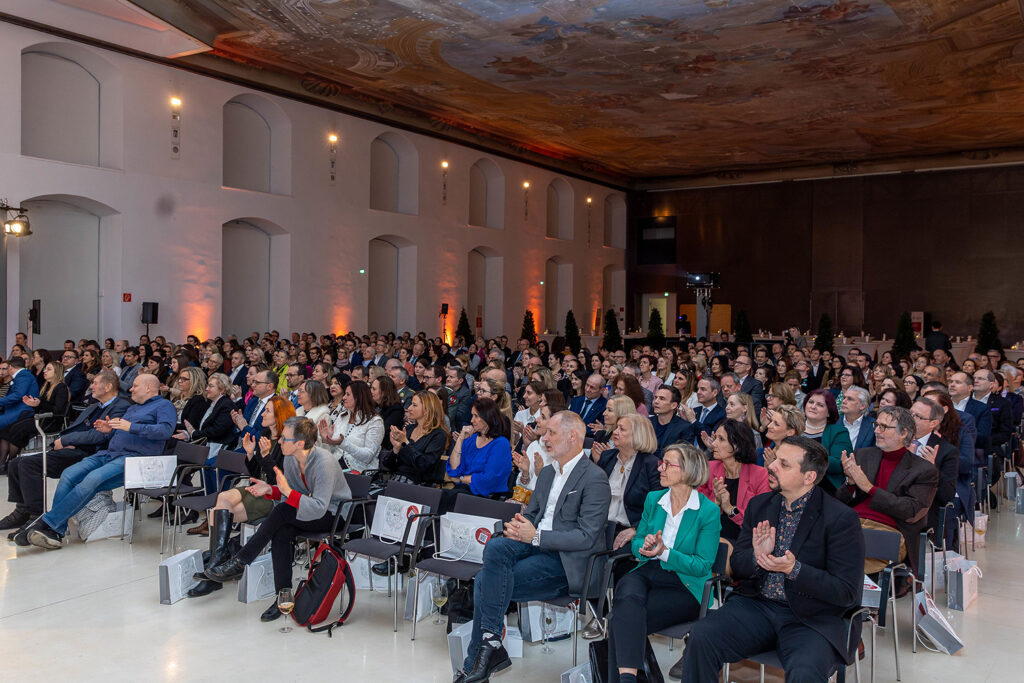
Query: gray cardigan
x=325, y=484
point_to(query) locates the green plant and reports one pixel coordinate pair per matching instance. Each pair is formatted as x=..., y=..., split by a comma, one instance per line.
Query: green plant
x=988, y=334
x=463, y=329
x=529, y=328
x=904, y=342
x=655, y=329
x=612, y=340
x=823, y=342
x=572, y=333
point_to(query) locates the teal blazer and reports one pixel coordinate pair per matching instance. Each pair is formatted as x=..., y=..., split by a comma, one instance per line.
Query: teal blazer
x=693, y=554
x=836, y=439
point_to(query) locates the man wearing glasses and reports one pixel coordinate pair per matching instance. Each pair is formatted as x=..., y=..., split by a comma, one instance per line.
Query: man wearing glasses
x=73, y=376
x=889, y=487
x=248, y=420
x=749, y=385
x=294, y=376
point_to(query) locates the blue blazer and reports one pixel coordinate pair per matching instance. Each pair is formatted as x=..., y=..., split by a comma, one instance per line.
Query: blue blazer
x=676, y=431
x=596, y=412
x=23, y=384
x=77, y=383
x=247, y=411
x=716, y=415
x=866, y=435
x=982, y=420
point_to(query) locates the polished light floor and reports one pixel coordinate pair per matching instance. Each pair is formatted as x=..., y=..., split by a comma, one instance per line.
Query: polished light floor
x=91, y=612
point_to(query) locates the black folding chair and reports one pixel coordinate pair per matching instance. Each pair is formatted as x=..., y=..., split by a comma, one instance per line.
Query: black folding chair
x=682, y=631
x=390, y=552
x=460, y=570
x=359, y=488
x=885, y=545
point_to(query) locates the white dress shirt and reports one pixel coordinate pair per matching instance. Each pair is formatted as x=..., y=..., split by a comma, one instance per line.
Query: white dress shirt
x=962, y=404
x=557, y=484
x=617, y=480
x=853, y=428
x=671, y=530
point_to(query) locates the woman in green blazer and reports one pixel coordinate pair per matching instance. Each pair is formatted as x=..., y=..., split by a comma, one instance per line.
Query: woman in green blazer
x=823, y=425
x=676, y=542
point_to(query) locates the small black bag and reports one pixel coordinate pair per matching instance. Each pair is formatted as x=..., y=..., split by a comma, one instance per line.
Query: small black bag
x=329, y=573
x=460, y=603
x=650, y=672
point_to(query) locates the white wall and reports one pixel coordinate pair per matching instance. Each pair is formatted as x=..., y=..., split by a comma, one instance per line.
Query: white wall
x=162, y=228
x=245, y=273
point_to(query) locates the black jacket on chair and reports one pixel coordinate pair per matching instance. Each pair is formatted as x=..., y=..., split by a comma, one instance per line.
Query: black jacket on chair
x=829, y=545
x=77, y=383
x=218, y=428
x=643, y=478
x=947, y=462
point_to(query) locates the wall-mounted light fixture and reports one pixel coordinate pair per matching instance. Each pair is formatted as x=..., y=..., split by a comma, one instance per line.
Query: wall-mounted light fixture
x=526, y=200
x=444, y=182
x=17, y=225
x=590, y=206
x=332, y=139
x=175, y=127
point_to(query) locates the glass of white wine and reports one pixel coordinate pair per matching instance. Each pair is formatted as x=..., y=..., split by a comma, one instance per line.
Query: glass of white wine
x=547, y=626
x=439, y=596
x=285, y=603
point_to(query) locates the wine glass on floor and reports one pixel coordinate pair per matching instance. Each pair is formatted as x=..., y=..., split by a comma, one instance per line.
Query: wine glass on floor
x=547, y=626
x=285, y=603
x=439, y=596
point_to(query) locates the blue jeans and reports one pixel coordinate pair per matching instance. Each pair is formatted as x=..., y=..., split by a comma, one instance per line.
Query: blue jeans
x=79, y=483
x=512, y=571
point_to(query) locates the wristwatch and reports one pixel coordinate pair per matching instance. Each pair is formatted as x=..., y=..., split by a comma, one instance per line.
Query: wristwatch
x=536, y=539
x=735, y=511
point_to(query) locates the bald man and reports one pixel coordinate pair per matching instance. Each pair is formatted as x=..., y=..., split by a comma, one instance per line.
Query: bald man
x=143, y=430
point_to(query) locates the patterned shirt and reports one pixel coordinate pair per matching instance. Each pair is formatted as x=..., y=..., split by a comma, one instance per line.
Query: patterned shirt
x=773, y=586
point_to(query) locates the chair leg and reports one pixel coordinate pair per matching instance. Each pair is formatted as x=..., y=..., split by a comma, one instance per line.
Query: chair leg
x=416, y=600
x=895, y=629
x=369, y=571
x=163, y=526
x=874, y=646
x=576, y=630
x=395, y=558
x=762, y=673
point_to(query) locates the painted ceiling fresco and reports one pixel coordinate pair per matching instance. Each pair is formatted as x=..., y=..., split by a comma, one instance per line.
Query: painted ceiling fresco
x=648, y=88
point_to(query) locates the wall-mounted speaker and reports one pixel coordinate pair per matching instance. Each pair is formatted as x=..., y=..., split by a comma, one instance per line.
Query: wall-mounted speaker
x=150, y=312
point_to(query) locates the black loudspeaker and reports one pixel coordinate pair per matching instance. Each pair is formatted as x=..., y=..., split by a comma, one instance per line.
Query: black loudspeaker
x=444, y=309
x=34, y=316
x=150, y=312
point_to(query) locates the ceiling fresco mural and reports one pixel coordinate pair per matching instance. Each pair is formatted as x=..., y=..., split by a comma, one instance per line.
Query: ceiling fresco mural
x=650, y=88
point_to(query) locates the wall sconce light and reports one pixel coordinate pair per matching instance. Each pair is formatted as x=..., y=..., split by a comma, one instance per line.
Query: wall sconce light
x=444, y=182
x=590, y=206
x=19, y=225
x=175, y=127
x=332, y=138
x=526, y=200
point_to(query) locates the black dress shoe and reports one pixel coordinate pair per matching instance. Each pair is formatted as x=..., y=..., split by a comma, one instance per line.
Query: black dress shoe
x=382, y=568
x=490, y=659
x=271, y=613
x=205, y=587
x=460, y=677
x=156, y=514
x=15, y=520
x=229, y=571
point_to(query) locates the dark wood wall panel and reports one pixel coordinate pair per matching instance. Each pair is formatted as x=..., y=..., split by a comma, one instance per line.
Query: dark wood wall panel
x=863, y=249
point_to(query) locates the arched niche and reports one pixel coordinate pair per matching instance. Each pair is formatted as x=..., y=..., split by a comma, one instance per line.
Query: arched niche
x=557, y=293
x=257, y=152
x=391, y=299
x=613, y=292
x=486, y=195
x=394, y=174
x=560, y=213
x=485, y=290
x=615, y=221
x=71, y=106
x=255, y=276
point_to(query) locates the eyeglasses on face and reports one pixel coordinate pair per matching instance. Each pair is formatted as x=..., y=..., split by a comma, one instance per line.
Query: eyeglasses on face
x=881, y=427
x=664, y=465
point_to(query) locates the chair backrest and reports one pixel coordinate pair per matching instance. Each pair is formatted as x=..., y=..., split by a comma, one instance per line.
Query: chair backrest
x=720, y=558
x=882, y=545
x=358, y=484
x=231, y=461
x=469, y=504
x=421, y=495
x=191, y=454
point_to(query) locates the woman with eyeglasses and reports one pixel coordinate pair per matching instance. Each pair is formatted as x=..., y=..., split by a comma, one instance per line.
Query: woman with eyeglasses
x=675, y=545
x=912, y=384
x=849, y=376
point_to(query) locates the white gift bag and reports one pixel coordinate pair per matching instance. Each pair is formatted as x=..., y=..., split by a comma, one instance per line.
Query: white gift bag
x=248, y=530
x=933, y=564
x=257, y=581
x=425, y=605
x=176, y=575
x=934, y=627
x=872, y=593
x=365, y=579
x=149, y=471
x=391, y=515
x=578, y=674
x=458, y=643
x=961, y=583
x=463, y=537
x=531, y=618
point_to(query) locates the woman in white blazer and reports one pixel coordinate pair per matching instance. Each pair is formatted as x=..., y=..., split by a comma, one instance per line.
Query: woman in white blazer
x=357, y=435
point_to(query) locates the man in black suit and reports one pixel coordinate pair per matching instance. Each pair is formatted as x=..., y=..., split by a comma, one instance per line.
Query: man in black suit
x=800, y=563
x=25, y=483
x=1004, y=381
x=939, y=452
x=937, y=339
x=590, y=406
x=986, y=390
x=709, y=413
x=669, y=428
x=889, y=487
x=73, y=376
x=460, y=403
x=518, y=356
x=239, y=372
x=749, y=385
x=817, y=373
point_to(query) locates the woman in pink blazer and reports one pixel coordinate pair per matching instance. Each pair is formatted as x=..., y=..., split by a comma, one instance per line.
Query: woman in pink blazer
x=735, y=475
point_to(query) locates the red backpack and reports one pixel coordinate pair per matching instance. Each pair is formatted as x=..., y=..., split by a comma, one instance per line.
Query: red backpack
x=329, y=573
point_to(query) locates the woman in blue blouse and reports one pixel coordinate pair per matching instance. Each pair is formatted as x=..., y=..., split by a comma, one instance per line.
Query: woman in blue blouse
x=481, y=460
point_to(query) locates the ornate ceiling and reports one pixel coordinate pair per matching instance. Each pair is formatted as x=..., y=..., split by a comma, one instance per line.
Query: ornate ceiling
x=653, y=88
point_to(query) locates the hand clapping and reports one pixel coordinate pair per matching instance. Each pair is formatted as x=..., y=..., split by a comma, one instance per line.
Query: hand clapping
x=854, y=474
x=763, y=538
x=653, y=545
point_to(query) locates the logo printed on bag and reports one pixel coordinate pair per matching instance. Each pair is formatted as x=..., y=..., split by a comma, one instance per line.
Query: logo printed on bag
x=483, y=535
x=411, y=511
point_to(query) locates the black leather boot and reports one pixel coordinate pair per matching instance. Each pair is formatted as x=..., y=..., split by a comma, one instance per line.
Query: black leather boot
x=490, y=659
x=220, y=536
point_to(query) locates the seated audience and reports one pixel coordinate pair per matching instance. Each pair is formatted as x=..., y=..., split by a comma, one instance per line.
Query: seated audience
x=632, y=468
x=668, y=426
x=675, y=551
x=308, y=492
x=419, y=448
x=54, y=398
x=481, y=460
x=793, y=591
x=359, y=433
x=143, y=430
x=735, y=475
x=21, y=385
x=858, y=423
x=888, y=486
x=822, y=426
x=543, y=553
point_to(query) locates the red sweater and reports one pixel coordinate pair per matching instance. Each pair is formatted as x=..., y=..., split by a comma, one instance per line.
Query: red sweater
x=885, y=469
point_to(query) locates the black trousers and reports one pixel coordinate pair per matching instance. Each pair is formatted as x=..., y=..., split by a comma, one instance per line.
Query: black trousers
x=280, y=528
x=748, y=626
x=646, y=601
x=25, y=476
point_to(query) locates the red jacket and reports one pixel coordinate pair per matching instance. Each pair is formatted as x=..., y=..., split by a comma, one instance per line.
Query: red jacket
x=753, y=482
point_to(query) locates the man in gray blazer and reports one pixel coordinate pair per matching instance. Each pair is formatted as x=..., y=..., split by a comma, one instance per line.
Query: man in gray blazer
x=543, y=553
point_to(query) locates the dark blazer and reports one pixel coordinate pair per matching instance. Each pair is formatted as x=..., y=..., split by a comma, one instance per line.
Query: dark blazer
x=595, y=414
x=460, y=405
x=676, y=431
x=716, y=415
x=866, y=435
x=581, y=518
x=965, y=494
x=906, y=498
x=815, y=378
x=1002, y=421
x=828, y=544
x=12, y=408
x=219, y=427
x=193, y=411
x=81, y=434
x=1016, y=406
x=77, y=383
x=947, y=462
x=59, y=404
x=393, y=416
x=755, y=390
x=241, y=379
x=257, y=425
x=983, y=421
x=643, y=478
x=421, y=460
